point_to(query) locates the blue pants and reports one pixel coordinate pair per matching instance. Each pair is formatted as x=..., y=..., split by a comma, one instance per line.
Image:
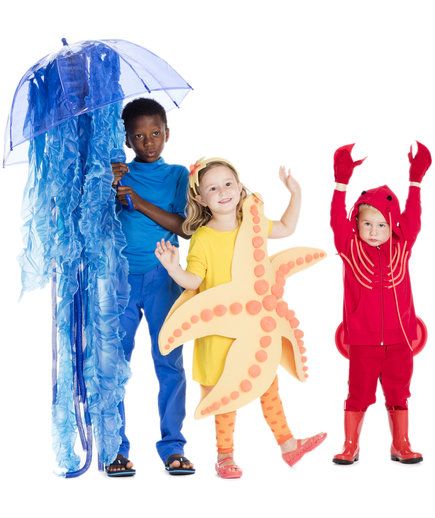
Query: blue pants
x=153, y=294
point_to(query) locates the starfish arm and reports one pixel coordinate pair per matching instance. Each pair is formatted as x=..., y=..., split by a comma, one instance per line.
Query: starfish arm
x=293, y=260
x=210, y=312
x=292, y=359
x=246, y=376
x=251, y=238
x=182, y=299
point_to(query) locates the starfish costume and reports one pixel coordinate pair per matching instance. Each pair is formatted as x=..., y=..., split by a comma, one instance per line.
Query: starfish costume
x=249, y=309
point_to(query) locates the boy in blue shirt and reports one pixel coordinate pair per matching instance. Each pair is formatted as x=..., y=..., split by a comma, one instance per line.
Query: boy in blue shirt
x=158, y=193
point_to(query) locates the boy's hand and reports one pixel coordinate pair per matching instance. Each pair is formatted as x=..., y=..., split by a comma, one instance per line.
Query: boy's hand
x=288, y=180
x=420, y=163
x=119, y=169
x=343, y=164
x=168, y=255
x=122, y=192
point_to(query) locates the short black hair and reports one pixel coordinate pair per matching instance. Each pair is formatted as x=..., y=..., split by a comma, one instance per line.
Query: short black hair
x=142, y=106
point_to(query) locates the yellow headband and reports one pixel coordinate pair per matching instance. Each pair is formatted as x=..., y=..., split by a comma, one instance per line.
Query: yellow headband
x=201, y=164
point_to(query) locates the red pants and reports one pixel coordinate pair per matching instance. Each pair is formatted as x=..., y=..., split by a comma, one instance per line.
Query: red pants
x=391, y=364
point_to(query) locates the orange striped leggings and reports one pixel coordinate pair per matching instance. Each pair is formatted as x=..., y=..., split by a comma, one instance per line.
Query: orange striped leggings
x=273, y=413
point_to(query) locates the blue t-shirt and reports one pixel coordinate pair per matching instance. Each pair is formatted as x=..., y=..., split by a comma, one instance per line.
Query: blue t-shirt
x=163, y=185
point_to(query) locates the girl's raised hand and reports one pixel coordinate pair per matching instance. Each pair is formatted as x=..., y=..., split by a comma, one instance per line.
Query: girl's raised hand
x=167, y=254
x=288, y=180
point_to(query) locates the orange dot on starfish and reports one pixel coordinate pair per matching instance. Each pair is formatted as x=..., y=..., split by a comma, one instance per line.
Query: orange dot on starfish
x=290, y=314
x=291, y=265
x=254, y=210
x=245, y=386
x=261, y=356
x=281, y=308
x=268, y=324
x=256, y=228
x=219, y=310
x=235, y=308
x=278, y=291
x=194, y=319
x=308, y=258
x=269, y=302
x=261, y=287
x=316, y=255
x=279, y=279
x=300, y=260
x=234, y=395
x=298, y=333
x=206, y=315
x=257, y=241
x=215, y=406
x=265, y=341
x=186, y=326
x=177, y=332
x=294, y=322
x=305, y=368
x=171, y=339
x=225, y=400
x=259, y=270
x=284, y=269
x=256, y=220
x=253, y=307
x=303, y=359
x=259, y=255
x=254, y=371
x=167, y=346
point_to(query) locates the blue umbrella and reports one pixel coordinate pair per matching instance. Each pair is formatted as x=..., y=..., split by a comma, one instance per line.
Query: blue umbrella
x=67, y=109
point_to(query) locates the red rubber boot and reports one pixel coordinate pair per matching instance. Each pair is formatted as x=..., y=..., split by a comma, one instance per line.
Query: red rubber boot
x=400, y=447
x=352, y=428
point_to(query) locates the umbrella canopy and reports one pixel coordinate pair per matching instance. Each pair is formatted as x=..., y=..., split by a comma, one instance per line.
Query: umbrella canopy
x=63, y=79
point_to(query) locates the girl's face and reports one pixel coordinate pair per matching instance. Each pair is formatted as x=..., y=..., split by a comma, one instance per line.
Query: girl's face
x=219, y=190
x=372, y=227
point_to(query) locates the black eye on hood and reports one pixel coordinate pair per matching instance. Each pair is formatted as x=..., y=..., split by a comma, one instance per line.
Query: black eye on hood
x=389, y=198
x=363, y=192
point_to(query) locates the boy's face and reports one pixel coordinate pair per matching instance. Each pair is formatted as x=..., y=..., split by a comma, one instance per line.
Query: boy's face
x=372, y=227
x=146, y=136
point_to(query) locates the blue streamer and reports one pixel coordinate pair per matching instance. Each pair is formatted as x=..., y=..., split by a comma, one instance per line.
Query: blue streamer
x=73, y=237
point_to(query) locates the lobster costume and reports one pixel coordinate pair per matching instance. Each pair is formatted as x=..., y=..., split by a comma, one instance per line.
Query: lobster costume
x=379, y=320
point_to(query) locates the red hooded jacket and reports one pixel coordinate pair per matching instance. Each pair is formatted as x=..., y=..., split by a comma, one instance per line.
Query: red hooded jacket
x=378, y=306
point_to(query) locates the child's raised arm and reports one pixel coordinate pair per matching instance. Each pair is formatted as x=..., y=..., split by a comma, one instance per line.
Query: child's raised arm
x=343, y=170
x=169, y=257
x=287, y=224
x=410, y=220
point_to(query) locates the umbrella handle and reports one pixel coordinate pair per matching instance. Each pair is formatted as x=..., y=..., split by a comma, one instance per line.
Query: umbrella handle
x=130, y=205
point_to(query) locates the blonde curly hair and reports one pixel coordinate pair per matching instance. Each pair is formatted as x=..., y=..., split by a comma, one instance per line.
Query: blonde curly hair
x=198, y=215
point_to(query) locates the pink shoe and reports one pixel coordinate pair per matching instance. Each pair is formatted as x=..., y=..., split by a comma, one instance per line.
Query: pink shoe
x=228, y=470
x=291, y=457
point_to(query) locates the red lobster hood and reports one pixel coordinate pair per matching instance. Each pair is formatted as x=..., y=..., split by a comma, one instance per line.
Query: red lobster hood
x=383, y=199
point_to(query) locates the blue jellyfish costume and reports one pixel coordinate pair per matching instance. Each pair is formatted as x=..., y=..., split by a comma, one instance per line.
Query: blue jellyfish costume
x=72, y=237
x=67, y=107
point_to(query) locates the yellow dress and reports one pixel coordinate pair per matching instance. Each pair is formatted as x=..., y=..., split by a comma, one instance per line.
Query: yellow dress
x=210, y=257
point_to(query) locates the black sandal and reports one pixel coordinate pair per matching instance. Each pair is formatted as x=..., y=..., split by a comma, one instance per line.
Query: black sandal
x=180, y=470
x=120, y=462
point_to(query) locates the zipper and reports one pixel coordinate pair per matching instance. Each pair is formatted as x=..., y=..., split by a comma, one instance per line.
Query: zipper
x=382, y=295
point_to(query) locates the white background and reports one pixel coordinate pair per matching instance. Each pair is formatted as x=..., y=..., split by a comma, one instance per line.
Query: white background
x=275, y=82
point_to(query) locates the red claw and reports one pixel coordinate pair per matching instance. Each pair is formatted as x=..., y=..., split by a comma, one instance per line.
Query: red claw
x=420, y=163
x=343, y=163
